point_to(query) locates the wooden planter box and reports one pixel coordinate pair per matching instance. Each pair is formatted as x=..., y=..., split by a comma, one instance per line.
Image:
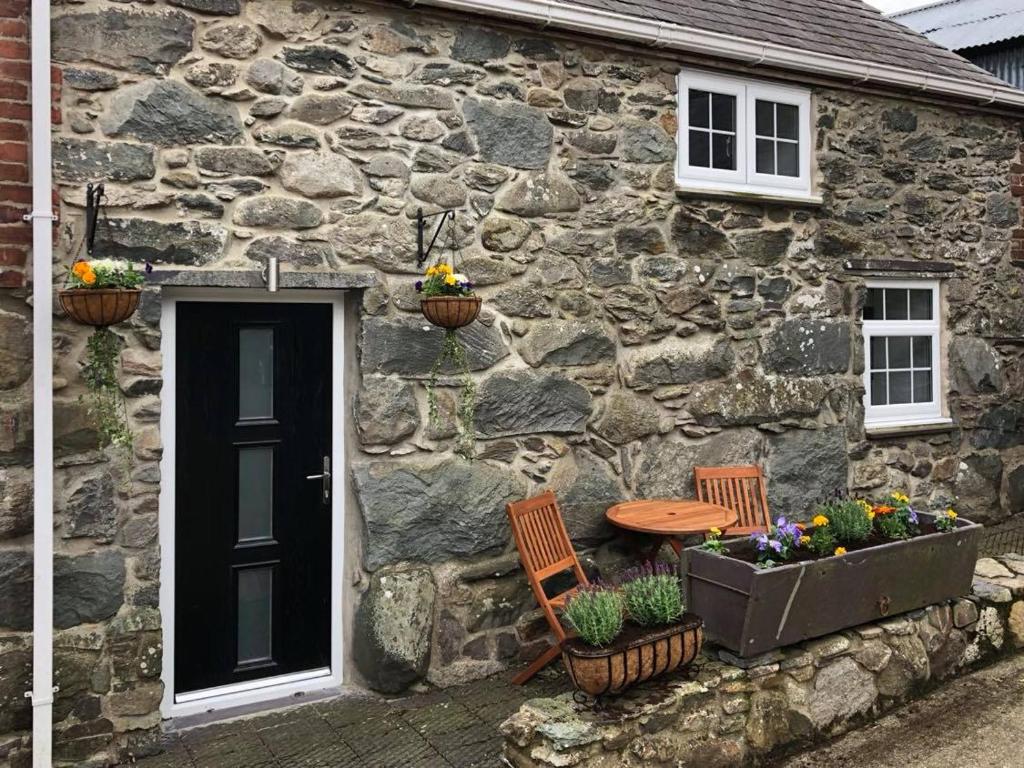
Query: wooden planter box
x=638, y=654
x=752, y=610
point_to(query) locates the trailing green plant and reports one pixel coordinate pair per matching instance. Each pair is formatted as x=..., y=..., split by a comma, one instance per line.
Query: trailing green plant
x=104, y=402
x=595, y=613
x=849, y=519
x=454, y=353
x=652, y=594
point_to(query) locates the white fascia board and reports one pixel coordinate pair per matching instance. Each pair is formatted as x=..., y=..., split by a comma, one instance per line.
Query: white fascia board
x=750, y=52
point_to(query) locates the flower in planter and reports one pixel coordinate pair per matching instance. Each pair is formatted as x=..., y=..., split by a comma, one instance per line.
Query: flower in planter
x=104, y=273
x=896, y=518
x=821, y=540
x=849, y=518
x=652, y=594
x=442, y=280
x=946, y=521
x=839, y=551
x=713, y=542
x=595, y=612
x=778, y=543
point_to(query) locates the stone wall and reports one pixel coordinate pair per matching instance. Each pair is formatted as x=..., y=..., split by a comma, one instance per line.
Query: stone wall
x=627, y=333
x=728, y=713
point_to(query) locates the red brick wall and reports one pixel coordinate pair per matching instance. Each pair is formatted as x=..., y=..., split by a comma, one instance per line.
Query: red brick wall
x=15, y=127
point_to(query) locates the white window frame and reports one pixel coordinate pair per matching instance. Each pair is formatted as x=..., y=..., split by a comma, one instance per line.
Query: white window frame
x=906, y=414
x=745, y=179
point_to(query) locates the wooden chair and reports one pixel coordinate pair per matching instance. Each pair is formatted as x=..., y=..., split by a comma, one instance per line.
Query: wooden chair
x=741, y=489
x=545, y=551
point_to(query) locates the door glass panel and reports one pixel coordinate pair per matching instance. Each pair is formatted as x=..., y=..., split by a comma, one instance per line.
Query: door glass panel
x=255, y=373
x=920, y=304
x=255, y=493
x=255, y=598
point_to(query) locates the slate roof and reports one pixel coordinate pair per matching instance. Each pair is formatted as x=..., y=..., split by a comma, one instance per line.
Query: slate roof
x=960, y=24
x=849, y=29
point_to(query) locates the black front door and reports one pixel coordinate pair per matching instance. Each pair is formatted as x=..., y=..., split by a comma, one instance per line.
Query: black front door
x=253, y=534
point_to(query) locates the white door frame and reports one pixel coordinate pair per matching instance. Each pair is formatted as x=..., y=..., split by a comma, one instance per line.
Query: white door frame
x=266, y=689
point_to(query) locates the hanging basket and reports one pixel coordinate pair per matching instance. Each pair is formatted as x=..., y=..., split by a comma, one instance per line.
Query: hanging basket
x=99, y=306
x=450, y=311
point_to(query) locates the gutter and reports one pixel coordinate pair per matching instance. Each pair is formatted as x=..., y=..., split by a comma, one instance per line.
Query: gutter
x=42, y=392
x=659, y=34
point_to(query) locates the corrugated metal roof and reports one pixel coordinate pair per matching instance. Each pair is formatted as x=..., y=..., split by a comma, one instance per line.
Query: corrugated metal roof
x=960, y=24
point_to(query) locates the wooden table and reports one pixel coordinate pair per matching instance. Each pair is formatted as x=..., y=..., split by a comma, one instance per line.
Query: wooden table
x=668, y=518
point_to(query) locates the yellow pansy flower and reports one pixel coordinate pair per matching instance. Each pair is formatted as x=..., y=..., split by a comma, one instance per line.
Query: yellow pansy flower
x=431, y=271
x=871, y=514
x=820, y=521
x=951, y=514
x=805, y=540
x=450, y=280
x=715, y=532
x=840, y=551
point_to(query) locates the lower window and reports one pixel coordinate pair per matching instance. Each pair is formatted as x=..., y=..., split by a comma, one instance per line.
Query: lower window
x=902, y=372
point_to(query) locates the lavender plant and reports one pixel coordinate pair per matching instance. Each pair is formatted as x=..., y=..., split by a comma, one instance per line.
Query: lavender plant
x=850, y=519
x=595, y=613
x=652, y=594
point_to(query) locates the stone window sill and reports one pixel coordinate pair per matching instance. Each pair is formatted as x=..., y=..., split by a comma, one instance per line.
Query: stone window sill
x=904, y=430
x=803, y=201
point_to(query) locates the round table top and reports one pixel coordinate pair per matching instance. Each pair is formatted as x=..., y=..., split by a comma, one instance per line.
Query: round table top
x=670, y=516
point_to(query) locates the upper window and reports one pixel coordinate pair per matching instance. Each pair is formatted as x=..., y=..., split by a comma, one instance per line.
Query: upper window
x=743, y=136
x=902, y=370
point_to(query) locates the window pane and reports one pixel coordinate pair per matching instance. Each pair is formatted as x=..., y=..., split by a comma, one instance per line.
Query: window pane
x=878, y=394
x=787, y=119
x=877, y=352
x=723, y=151
x=255, y=493
x=899, y=387
x=255, y=373
x=899, y=352
x=700, y=149
x=765, y=156
x=765, y=118
x=723, y=112
x=922, y=351
x=873, y=306
x=255, y=587
x=895, y=304
x=789, y=161
x=922, y=386
x=920, y=304
x=700, y=109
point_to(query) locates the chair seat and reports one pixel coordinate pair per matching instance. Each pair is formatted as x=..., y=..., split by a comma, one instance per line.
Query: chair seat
x=559, y=601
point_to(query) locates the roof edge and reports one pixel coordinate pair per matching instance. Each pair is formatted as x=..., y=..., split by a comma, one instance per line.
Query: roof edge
x=750, y=52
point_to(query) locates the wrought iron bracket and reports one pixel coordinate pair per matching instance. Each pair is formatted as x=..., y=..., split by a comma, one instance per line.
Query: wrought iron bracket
x=421, y=225
x=93, y=196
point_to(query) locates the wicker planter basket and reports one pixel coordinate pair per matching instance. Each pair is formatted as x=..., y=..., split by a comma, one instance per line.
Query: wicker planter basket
x=99, y=306
x=638, y=654
x=450, y=311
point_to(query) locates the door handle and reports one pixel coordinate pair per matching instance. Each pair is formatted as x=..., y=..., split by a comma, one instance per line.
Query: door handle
x=325, y=478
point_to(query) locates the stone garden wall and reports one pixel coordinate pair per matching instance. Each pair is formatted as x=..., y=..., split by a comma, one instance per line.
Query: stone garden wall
x=628, y=333
x=729, y=712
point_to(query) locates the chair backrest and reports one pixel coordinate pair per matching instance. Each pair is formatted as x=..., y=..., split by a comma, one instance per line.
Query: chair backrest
x=741, y=489
x=543, y=543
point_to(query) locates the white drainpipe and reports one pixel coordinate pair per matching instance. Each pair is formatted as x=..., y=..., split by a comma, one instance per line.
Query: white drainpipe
x=42, y=392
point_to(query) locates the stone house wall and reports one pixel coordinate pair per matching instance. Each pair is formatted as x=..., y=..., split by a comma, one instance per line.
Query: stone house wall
x=627, y=334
